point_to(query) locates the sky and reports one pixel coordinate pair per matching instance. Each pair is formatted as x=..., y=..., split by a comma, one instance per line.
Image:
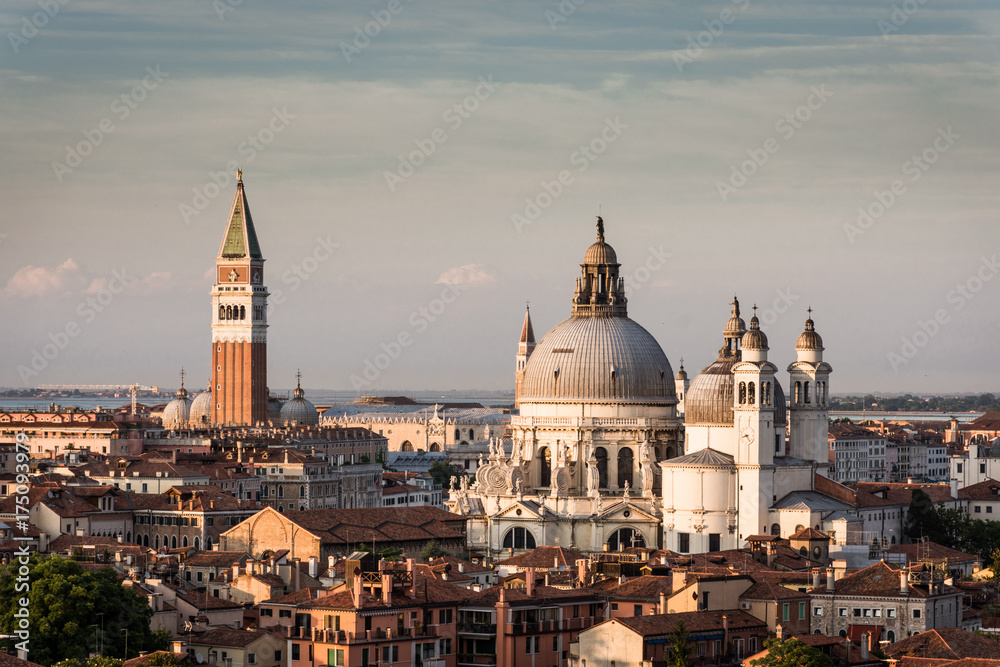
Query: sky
x=419, y=170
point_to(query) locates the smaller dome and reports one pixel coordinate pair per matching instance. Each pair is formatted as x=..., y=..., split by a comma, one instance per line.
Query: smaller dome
x=600, y=253
x=809, y=339
x=299, y=411
x=178, y=411
x=735, y=327
x=754, y=338
x=682, y=374
x=201, y=409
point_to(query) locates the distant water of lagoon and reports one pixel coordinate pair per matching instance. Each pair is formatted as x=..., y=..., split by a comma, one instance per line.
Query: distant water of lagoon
x=962, y=417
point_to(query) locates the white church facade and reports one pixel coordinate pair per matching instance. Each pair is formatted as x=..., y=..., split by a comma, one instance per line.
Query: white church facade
x=610, y=447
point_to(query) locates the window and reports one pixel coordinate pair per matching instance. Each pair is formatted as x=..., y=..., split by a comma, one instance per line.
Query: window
x=385, y=654
x=335, y=656
x=446, y=646
x=714, y=541
x=683, y=542
x=802, y=610
x=531, y=645
x=842, y=611
x=252, y=657
x=518, y=538
x=977, y=509
x=267, y=612
x=614, y=606
x=916, y=613
x=277, y=656
x=989, y=509
x=982, y=468
x=284, y=613
x=817, y=611
x=701, y=649
x=890, y=613
x=784, y=612
x=637, y=610
x=444, y=616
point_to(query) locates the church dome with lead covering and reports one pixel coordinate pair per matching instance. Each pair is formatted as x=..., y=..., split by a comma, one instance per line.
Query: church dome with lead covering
x=299, y=410
x=598, y=359
x=754, y=338
x=201, y=409
x=178, y=411
x=598, y=354
x=709, y=399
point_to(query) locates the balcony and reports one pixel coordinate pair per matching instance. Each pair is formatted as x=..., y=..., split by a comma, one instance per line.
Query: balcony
x=477, y=660
x=551, y=626
x=331, y=636
x=477, y=628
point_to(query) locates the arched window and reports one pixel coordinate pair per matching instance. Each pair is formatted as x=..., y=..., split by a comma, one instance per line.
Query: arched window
x=743, y=393
x=407, y=446
x=184, y=541
x=208, y=543
x=518, y=538
x=472, y=434
x=128, y=536
x=302, y=491
x=458, y=435
x=197, y=543
x=670, y=453
x=625, y=467
x=173, y=542
x=798, y=393
x=806, y=392
x=891, y=636
x=222, y=312
x=243, y=312
x=776, y=530
x=765, y=394
x=544, y=467
x=656, y=453
x=601, y=455
x=625, y=538
x=156, y=542
x=435, y=447
x=281, y=492
x=145, y=540
x=751, y=399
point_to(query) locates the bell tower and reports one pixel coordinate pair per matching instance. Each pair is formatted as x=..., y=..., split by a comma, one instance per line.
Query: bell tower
x=524, y=349
x=239, y=323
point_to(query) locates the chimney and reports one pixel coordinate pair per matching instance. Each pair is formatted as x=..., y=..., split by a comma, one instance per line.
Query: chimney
x=779, y=632
x=330, y=562
x=313, y=566
x=663, y=603
x=865, y=645
x=581, y=572
x=816, y=573
x=555, y=562
x=358, y=602
x=236, y=571
x=387, y=589
x=298, y=574
x=461, y=567
x=725, y=630
x=546, y=579
x=529, y=581
x=904, y=584
x=410, y=567
x=831, y=579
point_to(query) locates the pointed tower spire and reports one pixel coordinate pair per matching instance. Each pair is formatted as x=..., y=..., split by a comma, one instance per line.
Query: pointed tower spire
x=525, y=347
x=240, y=240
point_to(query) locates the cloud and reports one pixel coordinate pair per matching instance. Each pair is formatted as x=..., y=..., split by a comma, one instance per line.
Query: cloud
x=33, y=281
x=467, y=274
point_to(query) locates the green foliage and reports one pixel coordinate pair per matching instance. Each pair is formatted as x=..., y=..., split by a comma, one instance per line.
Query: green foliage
x=90, y=661
x=165, y=659
x=911, y=403
x=953, y=528
x=432, y=550
x=679, y=649
x=995, y=565
x=71, y=609
x=442, y=472
x=791, y=653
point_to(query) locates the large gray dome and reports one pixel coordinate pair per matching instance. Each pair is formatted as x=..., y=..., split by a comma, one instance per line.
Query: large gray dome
x=709, y=399
x=598, y=359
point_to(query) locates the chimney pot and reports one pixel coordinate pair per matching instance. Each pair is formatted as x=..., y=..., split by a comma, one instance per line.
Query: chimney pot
x=529, y=580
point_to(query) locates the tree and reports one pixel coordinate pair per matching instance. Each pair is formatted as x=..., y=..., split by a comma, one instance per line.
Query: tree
x=678, y=645
x=791, y=653
x=163, y=659
x=72, y=610
x=432, y=550
x=442, y=472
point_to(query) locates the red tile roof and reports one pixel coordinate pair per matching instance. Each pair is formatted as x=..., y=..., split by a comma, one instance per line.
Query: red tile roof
x=986, y=490
x=696, y=621
x=946, y=643
x=542, y=558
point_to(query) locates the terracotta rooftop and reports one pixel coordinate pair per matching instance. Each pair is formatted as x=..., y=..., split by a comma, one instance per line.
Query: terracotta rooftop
x=809, y=534
x=542, y=558
x=945, y=643
x=986, y=490
x=647, y=587
x=143, y=660
x=217, y=559
x=931, y=551
x=228, y=637
x=878, y=580
x=696, y=621
x=771, y=591
x=383, y=524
